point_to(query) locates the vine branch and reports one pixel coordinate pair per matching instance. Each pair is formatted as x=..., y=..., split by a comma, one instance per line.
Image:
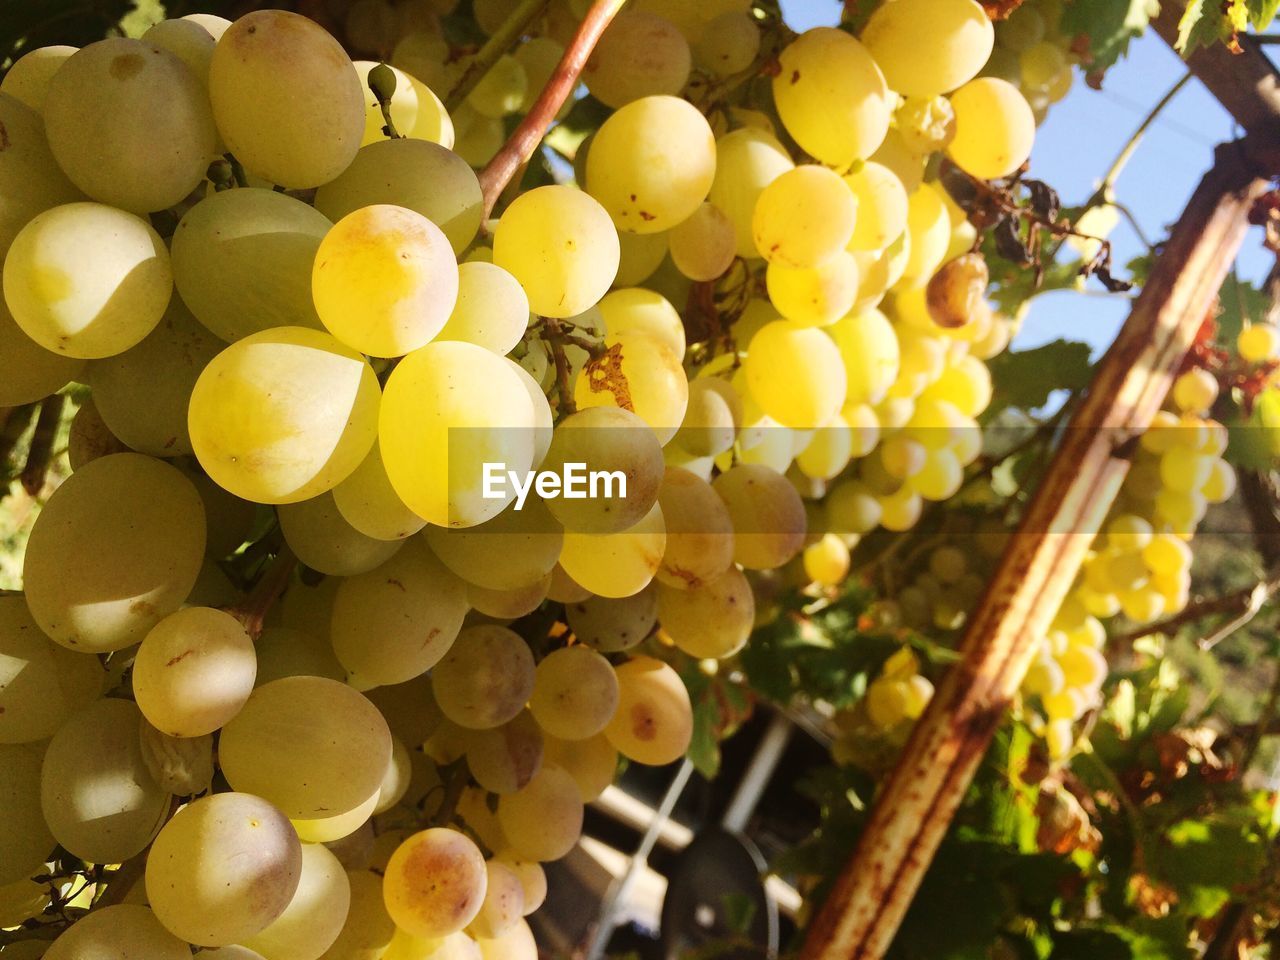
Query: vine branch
x=253, y=611
x=512, y=29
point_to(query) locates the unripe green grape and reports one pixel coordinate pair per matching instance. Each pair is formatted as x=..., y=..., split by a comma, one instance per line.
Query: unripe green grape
x=514, y=549
x=286, y=98
x=639, y=55
x=491, y=311
x=795, y=374
x=25, y=839
x=638, y=310
x=544, y=820
x=994, y=128
x=415, y=110
x=27, y=80
x=109, y=105
x=804, y=217
x=814, y=296
x=928, y=47
x=654, y=722
x=485, y=679
x=314, y=917
x=617, y=564
x=503, y=905
x=747, y=161
x=434, y=884
x=712, y=620
x=125, y=930
x=729, y=45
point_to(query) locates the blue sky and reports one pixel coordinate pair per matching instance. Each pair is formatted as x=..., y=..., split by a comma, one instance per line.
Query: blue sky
x=1076, y=145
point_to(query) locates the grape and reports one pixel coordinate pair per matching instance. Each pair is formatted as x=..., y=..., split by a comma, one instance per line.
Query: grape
x=434, y=883
x=423, y=54
x=194, y=671
x=533, y=879
x=182, y=766
x=954, y=294
x=1195, y=390
x=216, y=25
x=503, y=905
x=142, y=394
x=455, y=946
x=242, y=261
x=485, y=679
x=881, y=205
x=395, y=782
x=501, y=90
x=703, y=245
x=232, y=952
x=368, y=929
x=814, y=296
x=514, y=549
x=929, y=231
x=639, y=55
x=827, y=561
x=420, y=176
x=415, y=110
x=617, y=564
x=190, y=42
x=448, y=409
x=1040, y=63
x=41, y=683
x=88, y=438
x=747, y=161
x=108, y=107
x=994, y=128
x=491, y=311
x=767, y=513
x=479, y=137
x=274, y=445
x=651, y=164
x=575, y=693
x=640, y=374
x=729, y=45
x=311, y=746
x=385, y=280
x=639, y=256
x=612, y=625
x=692, y=20
x=117, y=547
x=223, y=869
x=804, y=217
x=288, y=652
x=1258, y=343
x=505, y=758
x=559, y=243
x=122, y=930
x=711, y=419
x=636, y=310
x=1024, y=28
x=540, y=56
x=926, y=124
x=25, y=840
x=22, y=901
x=369, y=502
x=699, y=531
x=543, y=421
x=86, y=280
x=314, y=917
x=795, y=374
x=328, y=829
x=831, y=96
x=98, y=798
x=544, y=820
x=654, y=722
x=966, y=384
x=27, y=80
x=30, y=180
x=323, y=540
x=712, y=620
x=286, y=98
x=29, y=372
x=927, y=47
x=592, y=763
x=516, y=944
x=508, y=604
x=829, y=452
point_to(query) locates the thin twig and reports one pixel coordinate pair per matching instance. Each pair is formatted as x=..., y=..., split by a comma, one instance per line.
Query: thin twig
x=253, y=611
x=456, y=776
x=1247, y=600
x=555, y=336
x=40, y=453
x=504, y=38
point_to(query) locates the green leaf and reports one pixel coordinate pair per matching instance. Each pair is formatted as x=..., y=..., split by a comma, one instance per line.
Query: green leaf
x=1205, y=859
x=1241, y=304
x=1109, y=25
x=1262, y=12
x=1022, y=378
x=1106, y=943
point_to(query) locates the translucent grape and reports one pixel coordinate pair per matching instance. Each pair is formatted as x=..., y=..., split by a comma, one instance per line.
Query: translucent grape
x=89, y=438
x=187, y=40
x=27, y=80
x=829, y=452
x=533, y=879
x=514, y=549
x=25, y=839
x=479, y=137
x=767, y=513
x=539, y=56
x=1023, y=28
x=704, y=244
x=639, y=374
x=617, y=564
x=485, y=679
x=795, y=374
x=639, y=256
x=544, y=820
x=804, y=217
x=1195, y=390
x=1040, y=63
x=516, y=944
x=491, y=311
x=827, y=561
x=508, y=604
x=1258, y=343
x=747, y=161
x=638, y=310
x=814, y=296
x=314, y=917
x=369, y=502
x=29, y=372
x=639, y=55
x=216, y=25
x=455, y=946
x=501, y=90
x=575, y=693
x=505, y=758
x=435, y=883
x=368, y=928
x=927, y=47
x=994, y=128
x=693, y=21
x=503, y=905
x=31, y=181
x=654, y=722
x=415, y=110
x=123, y=930
x=699, y=531
x=882, y=206
x=592, y=763
x=711, y=620
x=729, y=45
x=288, y=652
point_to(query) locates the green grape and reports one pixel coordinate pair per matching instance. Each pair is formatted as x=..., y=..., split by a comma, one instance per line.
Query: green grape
x=1258, y=343
x=142, y=394
x=928, y=47
x=639, y=256
x=395, y=622
x=182, y=766
x=747, y=161
x=368, y=928
x=122, y=930
x=651, y=164
x=286, y=98
x=703, y=245
x=640, y=374
x=501, y=90
x=99, y=800
x=194, y=671
x=491, y=311
x=485, y=678
x=814, y=296
x=420, y=176
x=612, y=625
x=544, y=820
x=108, y=107
x=829, y=452
x=767, y=513
x=543, y=420
x=795, y=374
x=89, y=439
x=831, y=96
x=187, y=40
x=271, y=445
x=994, y=128
x=964, y=383
x=25, y=839
x=560, y=244
x=242, y=261
x=314, y=917
x=654, y=722
x=288, y=652
x=711, y=419
x=617, y=564
x=329, y=829
x=804, y=217
x=881, y=201
x=29, y=372
x=454, y=946
x=449, y=409
x=41, y=683
x=712, y=620
x=311, y=746
x=693, y=20
x=479, y=137
x=575, y=693
x=591, y=762
x=826, y=562
x=504, y=759
x=533, y=879
x=1023, y=28
x=729, y=45
x=216, y=25
x=639, y=55
x=369, y=502
x=539, y=56
x=423, y=53
x=31, y=181
x=87, y=280
x=516, y=944
x=514, y=549
x=116, y=548
x=635, y=310
x=1195, y=391
x=27, y=80
x=396, y=780
x=223, y=869
x=323, y=540
x=1040, y=63
x=503, y=905
x=699, y=531
x=385, y=280
x=435, y=883
x=415, y=110
x=508, y=604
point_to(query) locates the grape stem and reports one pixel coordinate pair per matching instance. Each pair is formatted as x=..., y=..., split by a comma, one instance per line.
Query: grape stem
x=555, y=336
x=40, y=453
x=1242, y=605
x=522, y=143
x=503, y=39
x=456, y=777
x=270, y=586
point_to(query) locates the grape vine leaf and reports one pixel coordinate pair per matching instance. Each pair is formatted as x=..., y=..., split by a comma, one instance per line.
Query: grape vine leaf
x=1206, y=22
x=1104, y=28
x=1021, y=376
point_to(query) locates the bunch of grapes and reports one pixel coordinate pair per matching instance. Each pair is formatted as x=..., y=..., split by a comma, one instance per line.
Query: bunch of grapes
x=1033, y=54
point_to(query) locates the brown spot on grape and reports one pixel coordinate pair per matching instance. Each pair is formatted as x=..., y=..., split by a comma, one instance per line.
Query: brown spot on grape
x=605, y=375
x=643, y=723
x=179, y=658
x=647, y=216
x=5, y=143
x=795, y=76
x=126, y=66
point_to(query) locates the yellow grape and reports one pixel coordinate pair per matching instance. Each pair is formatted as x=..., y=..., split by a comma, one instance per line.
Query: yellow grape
x=29, y=372
x=926, y=124
x=1041, y=63
x=639, y=255
x=699, y=531
x=965, y=383
x=289, y=652
x=544, y=820
x=829, y=452
x=704, y=244
x=27, y=80
x=25, y=839
x=190, y=42
x=284, y=415
x=613, y=624
x=575, y=693
x=385, y=280
x=503, y=904
x=747, y=161
x=939, y=477
x=543, y=419
x=514, y=549
x=242, y=261
x=324, y=541
x=116, y=548
x=368, y=501
x=492, y=310
x=31, y=181
x=533, y=879
x=448, y=409
x=654, y=722
x=123, y=930
x=711, y=418
x=712, y=620
x=729, y=45
x=516, y=944
x=223, y=869
x=503, y=759
x=639, y=55
x=1195, y=391
x=485, y=678
x=286, y=98
x=455, y=946
x=927, y=47
x=640, y=374
x=814, y=296
x=617, y=564
x=87, y=280
x=929, y=229
x=795, y=374
x=311, y=746
x=1258, y=343
x=882, y=206
x=508, y=604
x=314, y=917
x=368, y=928
x=827, y=561
x=434, y=884
x=651, y=164
x=634, y=310
x=995, y=128
x=804, y=217
x=768, y=516
x=415, y=110
x=409, y=708
x=501, y=90
x=89, y=439
x=539, y=56
x=216, y=25
x=108, y=107
x=416, y=174
x=592, y=763
x=479, y=137
x=831, y=96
